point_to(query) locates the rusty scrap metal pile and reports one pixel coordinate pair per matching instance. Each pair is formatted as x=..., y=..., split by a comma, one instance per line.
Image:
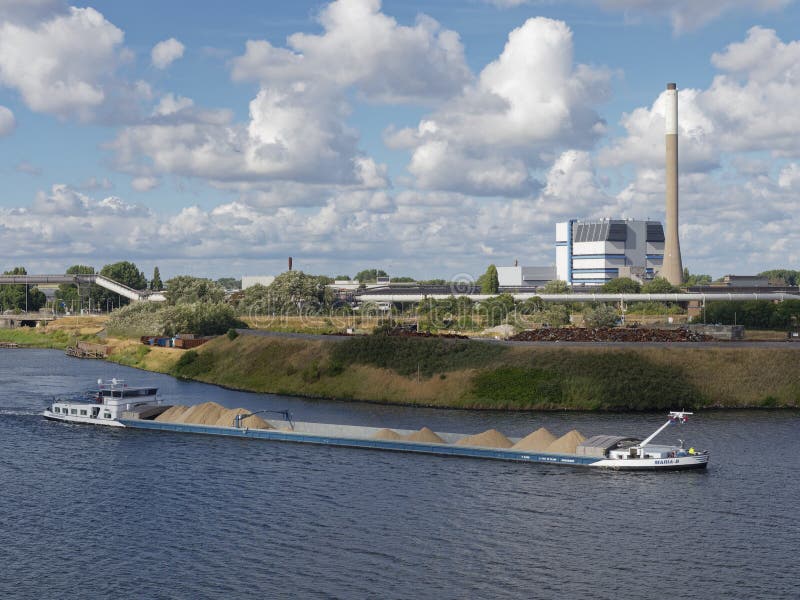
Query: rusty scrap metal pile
x=608, y=334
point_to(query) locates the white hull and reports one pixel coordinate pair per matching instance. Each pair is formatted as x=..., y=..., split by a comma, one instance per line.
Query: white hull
x=698, y=461
x=81, y=420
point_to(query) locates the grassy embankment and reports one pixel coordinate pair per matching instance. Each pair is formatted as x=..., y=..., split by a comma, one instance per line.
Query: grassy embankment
x=58, y=334
x=467, y=374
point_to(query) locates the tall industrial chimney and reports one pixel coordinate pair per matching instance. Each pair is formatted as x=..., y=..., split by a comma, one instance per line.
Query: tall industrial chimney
x=672, y=267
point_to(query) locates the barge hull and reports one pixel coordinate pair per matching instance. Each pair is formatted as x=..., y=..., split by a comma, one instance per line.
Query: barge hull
x=365, y=443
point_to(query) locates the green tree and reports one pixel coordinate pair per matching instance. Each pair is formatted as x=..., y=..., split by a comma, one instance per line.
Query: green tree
x=782, y=276
x=755, y=314
x=342, y=278
x=434, y=282
x=67, y=293
x=690, y=279
x=123, y=272
x=496, y=310
x=602, y=315
x=292, y=292
x=185, y=289
x=557, y=286
x=489, y=282
x=126, y=273
x=370, y=275
x=403, y=280
x=530, y=306
x=155, y=283
x=659, y=285
x=621, y=285
x=21, y=297
x=229, y=283
x=556, y=315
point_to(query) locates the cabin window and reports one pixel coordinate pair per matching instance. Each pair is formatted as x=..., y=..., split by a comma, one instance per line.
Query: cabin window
x=83, y=412
x=74, y=411
x=56, y=409
x=107, y=415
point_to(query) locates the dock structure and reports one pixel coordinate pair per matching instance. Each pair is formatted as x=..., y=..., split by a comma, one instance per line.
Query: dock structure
x=31, y=319
x=9, y=345
x=87, y=350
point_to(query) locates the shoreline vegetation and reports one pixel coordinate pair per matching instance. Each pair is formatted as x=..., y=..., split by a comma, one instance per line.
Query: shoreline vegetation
x=465, y=374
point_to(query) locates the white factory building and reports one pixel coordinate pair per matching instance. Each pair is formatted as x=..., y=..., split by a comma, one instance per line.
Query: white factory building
x=593, y=252
x=513, y=278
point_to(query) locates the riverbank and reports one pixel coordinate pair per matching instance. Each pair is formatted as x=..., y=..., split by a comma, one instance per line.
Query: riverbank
x=472, y=374
x=484, y=375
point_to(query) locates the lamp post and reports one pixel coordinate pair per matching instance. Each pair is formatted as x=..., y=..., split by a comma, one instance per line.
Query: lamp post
x=108, y=301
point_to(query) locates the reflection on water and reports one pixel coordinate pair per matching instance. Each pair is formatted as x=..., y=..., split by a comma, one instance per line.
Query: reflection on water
x=90, y=512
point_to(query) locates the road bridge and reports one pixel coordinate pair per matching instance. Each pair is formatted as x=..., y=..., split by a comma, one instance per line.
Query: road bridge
x=81, y=280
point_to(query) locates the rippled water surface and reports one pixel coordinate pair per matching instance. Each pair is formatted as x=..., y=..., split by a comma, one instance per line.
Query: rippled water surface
x=88, y=512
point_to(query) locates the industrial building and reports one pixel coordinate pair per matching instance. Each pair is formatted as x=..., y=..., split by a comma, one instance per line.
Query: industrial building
x=251, y=280
x=519, y=278
x=594, y=252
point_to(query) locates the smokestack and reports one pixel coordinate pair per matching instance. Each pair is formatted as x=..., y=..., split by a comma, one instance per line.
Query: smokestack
x=672, y=267
x=290, y=263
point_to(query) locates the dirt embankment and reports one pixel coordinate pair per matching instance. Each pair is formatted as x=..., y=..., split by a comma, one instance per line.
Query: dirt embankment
x=469, y=374
x=481, y=375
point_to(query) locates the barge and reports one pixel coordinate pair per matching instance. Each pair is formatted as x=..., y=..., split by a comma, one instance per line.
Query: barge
x=115, y=404
x=600, y=451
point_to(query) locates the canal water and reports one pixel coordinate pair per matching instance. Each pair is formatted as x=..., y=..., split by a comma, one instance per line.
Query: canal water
x=88, y=512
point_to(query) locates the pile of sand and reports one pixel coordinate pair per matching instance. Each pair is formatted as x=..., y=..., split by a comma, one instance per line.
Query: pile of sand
x=206, y=413
x=255, y=422
x=489, y=439
x=211, y=413
x=567, y=443
x=424, y=435
x=228, y=415
x=387, y=434
x=172, y=413
x=538, y=441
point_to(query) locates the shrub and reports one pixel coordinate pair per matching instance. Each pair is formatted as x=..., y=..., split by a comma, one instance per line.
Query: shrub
x=407, y=355
x=602, y=315
x=519, y=387
x=192, y=364
x=150, y=318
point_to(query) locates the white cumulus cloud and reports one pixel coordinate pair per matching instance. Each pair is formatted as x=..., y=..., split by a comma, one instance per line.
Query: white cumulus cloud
x=684, y=15
x=165, y=53
x=7, y=121
x=144, y=184
x=366, y=49
x=749, y=107
x=529, y=103
x=60, y=64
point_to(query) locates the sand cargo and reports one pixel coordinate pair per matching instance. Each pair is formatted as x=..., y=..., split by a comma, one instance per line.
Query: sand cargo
x=541, y=446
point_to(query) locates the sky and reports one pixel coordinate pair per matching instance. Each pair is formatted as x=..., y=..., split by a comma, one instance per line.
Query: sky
x=428, y=139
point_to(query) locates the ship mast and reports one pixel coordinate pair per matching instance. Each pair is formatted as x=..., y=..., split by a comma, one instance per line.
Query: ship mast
x=673, y=416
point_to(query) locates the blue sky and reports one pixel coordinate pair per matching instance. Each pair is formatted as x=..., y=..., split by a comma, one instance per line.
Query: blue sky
x=454, y=137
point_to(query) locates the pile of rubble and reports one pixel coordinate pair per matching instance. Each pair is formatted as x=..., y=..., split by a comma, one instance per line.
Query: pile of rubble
x=610, y=334
x=402, y=332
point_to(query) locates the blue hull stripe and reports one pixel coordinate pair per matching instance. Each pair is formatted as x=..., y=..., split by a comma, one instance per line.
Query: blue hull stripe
x=372, y=444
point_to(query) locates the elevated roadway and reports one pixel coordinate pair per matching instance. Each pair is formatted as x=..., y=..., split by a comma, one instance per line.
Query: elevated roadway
x=85, y=280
